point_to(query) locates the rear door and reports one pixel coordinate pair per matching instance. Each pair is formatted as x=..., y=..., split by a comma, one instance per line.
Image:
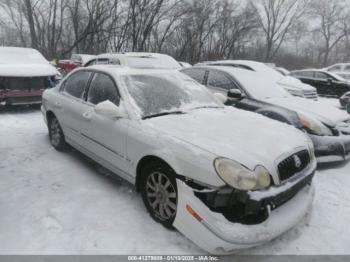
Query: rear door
x=70, y=106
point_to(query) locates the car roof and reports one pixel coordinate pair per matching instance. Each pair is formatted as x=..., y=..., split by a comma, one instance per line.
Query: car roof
x=21, y=49
x=123, y=70
x=227, y=69
x=130, y=54
x=311, y=69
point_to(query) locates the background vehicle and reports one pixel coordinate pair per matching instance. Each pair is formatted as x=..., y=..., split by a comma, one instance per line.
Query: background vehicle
x=292, y=85
x=327, y=126
x=151, y=128
x=326, y=83
x=24, y=75
x=77, y=60
x=136, y=60
x=185, y=64
x=344, y=100
x=341, y=69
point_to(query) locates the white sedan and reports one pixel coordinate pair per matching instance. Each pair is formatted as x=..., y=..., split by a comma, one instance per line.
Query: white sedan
x=226, y=178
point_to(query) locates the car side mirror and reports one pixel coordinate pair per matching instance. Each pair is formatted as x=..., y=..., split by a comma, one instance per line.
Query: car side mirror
x=221, y=97
x=348, y=108
x=109, y=110
x=235, y=94
x=330, y=80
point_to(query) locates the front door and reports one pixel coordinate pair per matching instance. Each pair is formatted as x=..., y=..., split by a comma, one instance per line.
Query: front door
x=106, y=137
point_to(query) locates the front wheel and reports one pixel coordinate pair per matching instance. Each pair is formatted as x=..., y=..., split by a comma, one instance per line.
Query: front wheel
x=56, y=135
x=159, y=193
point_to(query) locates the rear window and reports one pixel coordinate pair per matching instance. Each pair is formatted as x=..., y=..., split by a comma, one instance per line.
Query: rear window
x=26, y=83
x=163, y=62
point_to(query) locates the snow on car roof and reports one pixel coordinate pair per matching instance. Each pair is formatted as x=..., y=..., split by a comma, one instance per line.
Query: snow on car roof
x=24, y=62
x=118, y=69
x=131, y=54
x=18, y=55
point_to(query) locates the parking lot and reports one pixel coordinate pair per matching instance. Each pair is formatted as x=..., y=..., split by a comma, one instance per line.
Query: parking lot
x=62, y=203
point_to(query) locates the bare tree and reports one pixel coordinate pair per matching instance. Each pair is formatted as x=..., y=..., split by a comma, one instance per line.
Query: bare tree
x=331, y=28
x=276, y=17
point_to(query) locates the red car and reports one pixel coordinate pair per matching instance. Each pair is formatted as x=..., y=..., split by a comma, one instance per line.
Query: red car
x=77, y=60
x=24, y=75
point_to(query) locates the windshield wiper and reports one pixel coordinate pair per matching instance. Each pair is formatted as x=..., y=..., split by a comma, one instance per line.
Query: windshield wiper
x=199, y=107
x=164, y=114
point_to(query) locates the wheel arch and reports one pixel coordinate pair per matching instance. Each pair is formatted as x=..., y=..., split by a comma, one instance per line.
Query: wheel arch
x=49, y=115
x=146, y=160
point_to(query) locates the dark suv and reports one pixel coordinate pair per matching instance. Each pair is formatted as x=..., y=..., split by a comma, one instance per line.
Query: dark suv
x=326, y=83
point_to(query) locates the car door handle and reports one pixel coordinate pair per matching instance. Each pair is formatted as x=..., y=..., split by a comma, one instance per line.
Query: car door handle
x=87, y=116
x=58, y=105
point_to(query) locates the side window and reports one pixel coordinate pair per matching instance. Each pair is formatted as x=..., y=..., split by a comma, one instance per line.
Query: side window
x=102, y=61
x=321, y=76
x=347, y=68
x=196, y=74
x=306, y=74
x=219, y=79
x=102, y=88
x=114, y=61
x=75, y=84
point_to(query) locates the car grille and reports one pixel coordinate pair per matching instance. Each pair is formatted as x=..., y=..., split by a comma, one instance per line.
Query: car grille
x=293, y=164
x=311, y=95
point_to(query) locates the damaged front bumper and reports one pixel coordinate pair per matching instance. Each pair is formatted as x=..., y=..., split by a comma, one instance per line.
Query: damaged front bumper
x=219, y=234
x=20, y=97
x=331, y=148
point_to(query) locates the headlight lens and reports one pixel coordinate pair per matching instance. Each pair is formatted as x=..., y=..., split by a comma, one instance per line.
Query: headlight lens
x=311, y=150
x=263, y=175
x=239, y=177
x=315, y=126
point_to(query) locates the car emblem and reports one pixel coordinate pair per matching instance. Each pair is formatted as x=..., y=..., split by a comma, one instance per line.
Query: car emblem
x=297, y=161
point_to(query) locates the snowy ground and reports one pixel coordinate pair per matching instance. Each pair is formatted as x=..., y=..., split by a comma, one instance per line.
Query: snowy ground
x=61, y=203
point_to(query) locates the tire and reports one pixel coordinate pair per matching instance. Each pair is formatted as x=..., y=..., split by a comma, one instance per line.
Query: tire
x=159, y=193
x=56, y=135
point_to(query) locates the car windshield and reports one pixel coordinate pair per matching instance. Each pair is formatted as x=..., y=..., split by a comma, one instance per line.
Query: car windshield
x=21, y=56
x=162, y=62
x=160, y=94
x=261, y=87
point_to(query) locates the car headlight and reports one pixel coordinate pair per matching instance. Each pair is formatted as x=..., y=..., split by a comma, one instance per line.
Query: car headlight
x=240, y=177
x=311, y=150
x=315, y=126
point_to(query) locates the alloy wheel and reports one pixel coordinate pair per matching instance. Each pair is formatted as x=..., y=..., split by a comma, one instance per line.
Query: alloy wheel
x=161, y=195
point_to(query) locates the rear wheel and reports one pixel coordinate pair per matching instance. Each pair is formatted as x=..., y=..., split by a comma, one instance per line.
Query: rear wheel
x=159, y=193
x=56, y=135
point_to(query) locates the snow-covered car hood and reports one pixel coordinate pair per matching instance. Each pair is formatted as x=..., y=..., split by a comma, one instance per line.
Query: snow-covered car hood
x=27, y=70
x=292, y=82
x=322, y=111
x=239, y=135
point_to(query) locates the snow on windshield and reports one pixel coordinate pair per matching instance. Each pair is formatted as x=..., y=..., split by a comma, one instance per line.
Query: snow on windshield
x=163, y=62
x=261, y=87
x=21, y=56
x=161, y=93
